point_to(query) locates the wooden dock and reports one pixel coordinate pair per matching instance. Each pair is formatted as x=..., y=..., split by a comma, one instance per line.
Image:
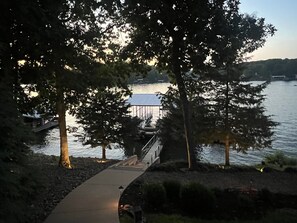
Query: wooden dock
x=48, y=125
x=151, y=151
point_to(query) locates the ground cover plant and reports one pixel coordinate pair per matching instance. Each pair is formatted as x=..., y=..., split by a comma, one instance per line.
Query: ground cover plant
x=283, y=216
x=183, y=199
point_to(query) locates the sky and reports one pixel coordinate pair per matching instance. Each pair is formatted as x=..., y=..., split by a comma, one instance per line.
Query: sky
x=283, y=15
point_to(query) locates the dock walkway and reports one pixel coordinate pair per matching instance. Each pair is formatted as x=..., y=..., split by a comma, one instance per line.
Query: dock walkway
x=96, y=200
x=48, y=125
x=152, y=155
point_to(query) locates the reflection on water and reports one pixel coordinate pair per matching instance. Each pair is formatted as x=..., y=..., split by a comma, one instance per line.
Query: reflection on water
x=216, y=154
x=49, y=143
x=281, y=103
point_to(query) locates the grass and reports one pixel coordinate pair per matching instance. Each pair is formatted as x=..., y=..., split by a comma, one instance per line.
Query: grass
x=284, y=216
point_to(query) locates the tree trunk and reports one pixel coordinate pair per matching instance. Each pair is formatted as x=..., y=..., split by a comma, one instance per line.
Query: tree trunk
x=61, y=111
x=187, y=123
x=227, y=138
x=227, y=150
x=103, y=152
x=185, y=105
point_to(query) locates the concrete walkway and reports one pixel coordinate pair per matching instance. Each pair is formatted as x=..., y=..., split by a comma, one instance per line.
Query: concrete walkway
x=96, y=200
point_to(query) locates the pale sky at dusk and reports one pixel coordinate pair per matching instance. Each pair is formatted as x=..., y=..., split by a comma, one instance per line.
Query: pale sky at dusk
x=283, y=15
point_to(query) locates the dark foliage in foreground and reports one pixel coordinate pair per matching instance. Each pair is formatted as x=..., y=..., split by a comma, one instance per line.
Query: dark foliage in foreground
x=229, y=193
x=16, y=185
x=195, y=200
x=44, y=185
x=154, y=196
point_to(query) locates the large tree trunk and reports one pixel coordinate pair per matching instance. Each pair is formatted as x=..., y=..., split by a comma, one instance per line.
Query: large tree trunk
x=103, y=152
x=227, y=129
x=61, y=110
x=187, y=114
x=187, y=123
x=227, y=150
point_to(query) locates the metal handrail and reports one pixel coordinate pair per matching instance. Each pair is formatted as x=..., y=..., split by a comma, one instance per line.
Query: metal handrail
x=148, y=145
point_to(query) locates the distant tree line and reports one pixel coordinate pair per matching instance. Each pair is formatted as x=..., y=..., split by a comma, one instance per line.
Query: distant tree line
x=261, y=70
x=265, y=69
x=152, y=76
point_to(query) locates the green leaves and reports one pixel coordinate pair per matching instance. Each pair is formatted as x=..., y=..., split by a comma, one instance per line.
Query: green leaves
x=221, y=107
x=14, y=137
x=104, y=116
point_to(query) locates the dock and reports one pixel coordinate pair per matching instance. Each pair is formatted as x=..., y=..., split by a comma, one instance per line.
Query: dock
x=151, y=151
x=48, y=125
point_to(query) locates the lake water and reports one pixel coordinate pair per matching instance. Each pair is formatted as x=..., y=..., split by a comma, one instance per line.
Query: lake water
x=281, y=102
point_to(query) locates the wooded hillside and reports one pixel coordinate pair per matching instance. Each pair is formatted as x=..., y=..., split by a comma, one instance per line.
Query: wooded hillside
x=255, y=70
x=265, y=69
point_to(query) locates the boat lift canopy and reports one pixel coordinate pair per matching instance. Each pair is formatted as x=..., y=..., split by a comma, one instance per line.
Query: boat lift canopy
x=146, y=105
x=145, y=100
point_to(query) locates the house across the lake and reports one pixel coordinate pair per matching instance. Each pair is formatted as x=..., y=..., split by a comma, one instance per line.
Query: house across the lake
x=278, y=78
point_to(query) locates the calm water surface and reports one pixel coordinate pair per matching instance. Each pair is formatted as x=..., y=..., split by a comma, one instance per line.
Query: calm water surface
x=281, y=103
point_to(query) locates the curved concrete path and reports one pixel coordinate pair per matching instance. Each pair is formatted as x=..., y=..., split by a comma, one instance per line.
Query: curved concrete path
x=96, y=200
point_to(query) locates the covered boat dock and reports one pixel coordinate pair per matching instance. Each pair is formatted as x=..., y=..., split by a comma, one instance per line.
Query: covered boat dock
x=145, y=106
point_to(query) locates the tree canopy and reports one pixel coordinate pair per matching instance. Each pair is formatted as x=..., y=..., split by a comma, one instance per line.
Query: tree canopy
x=104, y=116
x=15, y=184
x=236, y=115
x=225, y=111
x=59, y=50
x=187, y=37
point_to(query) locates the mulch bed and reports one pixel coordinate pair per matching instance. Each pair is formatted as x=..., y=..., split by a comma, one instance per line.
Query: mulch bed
x=54, y=183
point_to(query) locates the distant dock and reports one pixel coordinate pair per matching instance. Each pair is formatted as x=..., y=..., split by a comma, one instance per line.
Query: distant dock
x=46, y=126
x=38, y=123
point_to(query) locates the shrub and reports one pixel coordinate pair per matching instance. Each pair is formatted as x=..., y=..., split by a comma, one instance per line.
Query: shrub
x=170, y=166
x=266, y=196
x=172, y=188
x=246, y=207
x=245, y=202
x=154, y=196
x=197, y=200
x=279, y=158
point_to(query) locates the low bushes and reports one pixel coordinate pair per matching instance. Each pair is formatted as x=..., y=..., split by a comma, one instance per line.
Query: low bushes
x=283, y=216
x=154, y=196
x=197, y=200
x=279, y=158
x=172, y=188
x=171, y=166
